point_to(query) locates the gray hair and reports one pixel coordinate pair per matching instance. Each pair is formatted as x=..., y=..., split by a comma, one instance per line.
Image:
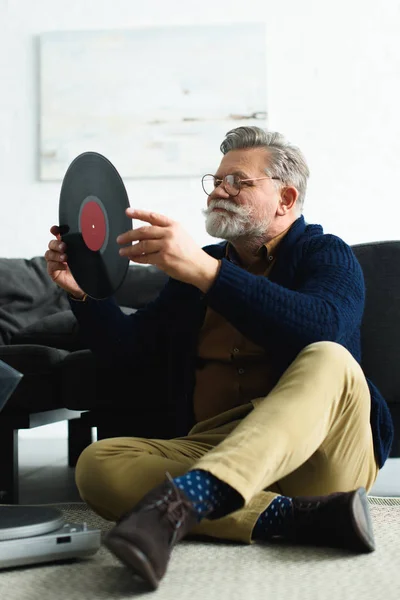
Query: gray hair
x=286, y=161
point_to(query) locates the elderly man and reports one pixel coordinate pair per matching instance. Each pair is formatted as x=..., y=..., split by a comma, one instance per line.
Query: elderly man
x=258, y=339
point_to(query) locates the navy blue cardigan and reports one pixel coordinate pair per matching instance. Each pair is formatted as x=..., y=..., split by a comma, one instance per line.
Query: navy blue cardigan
x=315, y=292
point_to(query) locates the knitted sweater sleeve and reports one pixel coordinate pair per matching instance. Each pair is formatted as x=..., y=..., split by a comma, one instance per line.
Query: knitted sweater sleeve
x=326, y=302
x=117, y=338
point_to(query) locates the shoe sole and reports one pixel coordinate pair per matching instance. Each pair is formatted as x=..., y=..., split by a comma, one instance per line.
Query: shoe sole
x=361, y=519
x=133, y=558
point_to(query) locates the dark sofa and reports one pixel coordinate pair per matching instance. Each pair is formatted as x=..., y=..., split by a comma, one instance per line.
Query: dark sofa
x=40, y=337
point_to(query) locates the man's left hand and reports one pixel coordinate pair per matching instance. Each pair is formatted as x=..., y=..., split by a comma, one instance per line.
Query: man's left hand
x=167, y=245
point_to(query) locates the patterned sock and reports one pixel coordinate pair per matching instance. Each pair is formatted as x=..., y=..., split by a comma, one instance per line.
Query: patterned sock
x=207, y=492
x=274, y=519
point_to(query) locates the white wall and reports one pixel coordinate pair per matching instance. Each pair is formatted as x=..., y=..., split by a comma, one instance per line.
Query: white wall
x=333, y=75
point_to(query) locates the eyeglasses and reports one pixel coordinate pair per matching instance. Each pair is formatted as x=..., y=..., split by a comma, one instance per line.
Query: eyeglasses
x=232, y=184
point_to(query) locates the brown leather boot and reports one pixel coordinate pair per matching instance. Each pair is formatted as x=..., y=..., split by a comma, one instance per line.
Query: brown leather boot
x=340, y=520
x=143, y=538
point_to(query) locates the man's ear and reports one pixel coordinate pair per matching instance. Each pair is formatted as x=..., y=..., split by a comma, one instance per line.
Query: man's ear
x=287, y=200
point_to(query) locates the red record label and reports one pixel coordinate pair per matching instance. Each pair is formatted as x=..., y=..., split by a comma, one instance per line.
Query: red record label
x=93, y=225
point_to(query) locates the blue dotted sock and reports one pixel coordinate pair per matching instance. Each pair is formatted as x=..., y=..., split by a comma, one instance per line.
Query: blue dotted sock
x=275, y=518
x=207, y=492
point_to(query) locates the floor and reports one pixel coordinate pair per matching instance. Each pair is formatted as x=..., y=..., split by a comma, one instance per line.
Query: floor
x=46, y=478
x=223, y=570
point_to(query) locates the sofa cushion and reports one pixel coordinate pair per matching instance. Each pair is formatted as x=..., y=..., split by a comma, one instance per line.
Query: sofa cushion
x=380, y=331
x=57, y=331
x=60, y=330
x=27, y=295
x=39, y=389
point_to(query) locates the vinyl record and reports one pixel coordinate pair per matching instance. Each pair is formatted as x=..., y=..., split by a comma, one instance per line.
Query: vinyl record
x=93, y=200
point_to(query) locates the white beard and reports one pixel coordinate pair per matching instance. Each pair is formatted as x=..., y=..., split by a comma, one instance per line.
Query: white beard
x=234, y=224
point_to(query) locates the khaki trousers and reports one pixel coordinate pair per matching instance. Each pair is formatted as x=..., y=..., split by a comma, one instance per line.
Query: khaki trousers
x=310, y=436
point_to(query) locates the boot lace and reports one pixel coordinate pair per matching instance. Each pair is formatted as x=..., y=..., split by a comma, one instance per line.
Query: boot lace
x=176, y=507
x=307, y=506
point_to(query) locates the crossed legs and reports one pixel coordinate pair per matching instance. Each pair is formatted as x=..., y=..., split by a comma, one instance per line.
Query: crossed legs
x=310, y=436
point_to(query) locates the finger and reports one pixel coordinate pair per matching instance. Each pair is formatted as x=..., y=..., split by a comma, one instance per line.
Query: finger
x=142, y=233
x=149, y=216
x=57, y=246
x=55, y=230
x=53, y=267
x=55, y=257
x=144, y=247
x=147, y=259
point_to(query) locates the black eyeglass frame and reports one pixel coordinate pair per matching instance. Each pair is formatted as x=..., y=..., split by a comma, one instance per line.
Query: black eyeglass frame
x=237, y=181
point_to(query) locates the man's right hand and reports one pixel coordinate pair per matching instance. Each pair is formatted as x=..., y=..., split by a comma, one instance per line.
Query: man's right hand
x=57, y=265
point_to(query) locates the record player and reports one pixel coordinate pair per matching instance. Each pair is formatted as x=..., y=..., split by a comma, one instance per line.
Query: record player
x=38, y=534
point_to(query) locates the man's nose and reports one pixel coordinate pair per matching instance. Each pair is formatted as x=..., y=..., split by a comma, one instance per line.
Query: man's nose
x=219, y=192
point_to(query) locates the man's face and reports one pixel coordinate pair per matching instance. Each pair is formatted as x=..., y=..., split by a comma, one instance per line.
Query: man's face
x=252, y=211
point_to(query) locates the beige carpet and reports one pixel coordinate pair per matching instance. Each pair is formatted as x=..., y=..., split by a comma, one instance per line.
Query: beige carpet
x=220, y=570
